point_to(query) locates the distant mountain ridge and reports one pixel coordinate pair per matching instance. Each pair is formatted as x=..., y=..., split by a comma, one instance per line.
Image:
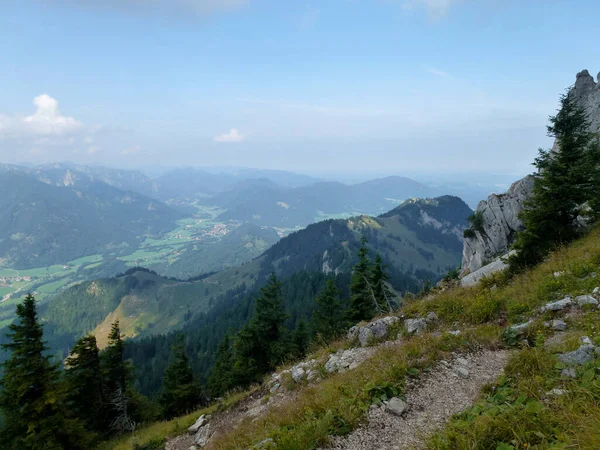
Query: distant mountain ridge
x=147, y=304
x=42, y=224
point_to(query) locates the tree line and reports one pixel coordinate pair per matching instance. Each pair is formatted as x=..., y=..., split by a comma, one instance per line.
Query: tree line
x=92, y=398
x=264, y=342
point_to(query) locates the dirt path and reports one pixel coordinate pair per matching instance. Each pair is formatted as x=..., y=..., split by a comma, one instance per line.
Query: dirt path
x=432, y=400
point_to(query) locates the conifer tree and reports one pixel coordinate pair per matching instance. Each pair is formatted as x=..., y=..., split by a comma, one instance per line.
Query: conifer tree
x=117, y=373
x=328, y=317
x=260, y=345
x=300, y=340
x=379, y=284
x=222, y=378
x=566, y=181
x=362, y=305
x=31, y=396
x=85, y=384
x=180, y=392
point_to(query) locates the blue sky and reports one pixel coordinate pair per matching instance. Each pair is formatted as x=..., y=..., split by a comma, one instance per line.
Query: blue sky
x=349, y=86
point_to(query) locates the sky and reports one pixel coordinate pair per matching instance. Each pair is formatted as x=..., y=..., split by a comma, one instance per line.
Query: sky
x=325, y=86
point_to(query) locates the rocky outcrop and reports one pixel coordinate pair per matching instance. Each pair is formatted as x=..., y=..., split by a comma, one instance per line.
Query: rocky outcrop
x=500, y=212
x=378, y=329
x=500, y=226
x=498, y=265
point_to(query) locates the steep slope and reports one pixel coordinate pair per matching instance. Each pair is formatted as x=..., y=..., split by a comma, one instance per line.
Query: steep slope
x=157, y=305
x=500, y=222
x=42, y=224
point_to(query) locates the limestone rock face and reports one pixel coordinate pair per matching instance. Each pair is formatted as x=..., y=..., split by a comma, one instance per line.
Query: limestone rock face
x=500, y=225
x=500, y=212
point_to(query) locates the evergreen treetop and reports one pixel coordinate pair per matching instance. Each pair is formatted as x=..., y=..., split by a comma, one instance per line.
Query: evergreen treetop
x=566, y=182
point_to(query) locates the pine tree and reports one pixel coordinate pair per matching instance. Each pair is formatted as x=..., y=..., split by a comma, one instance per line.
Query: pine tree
x=221, y=378
x=328, y=317
x=260, y=345
x=31, y=396
x=566, y=181
x=300, y=340
x=379, y=284
x=362, y=305
x=117, y=373
x=85, y=384
x=180, y=392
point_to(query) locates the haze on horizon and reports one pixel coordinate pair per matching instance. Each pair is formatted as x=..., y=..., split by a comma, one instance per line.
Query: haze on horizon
x=331, y=86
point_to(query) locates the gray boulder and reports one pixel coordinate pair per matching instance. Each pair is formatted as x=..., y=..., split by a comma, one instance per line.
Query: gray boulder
x=365, y=336
x=583, y=300
x=353, y=333
x=202, y=436
x=380, y=328
x=580, y=356
x=462, y=372
x=431, y=317
x=415, y=326
x=202, y=420
x=558, y=305
x=559, y=325
x=298, y=374
x=396, y=406
x=497, y=265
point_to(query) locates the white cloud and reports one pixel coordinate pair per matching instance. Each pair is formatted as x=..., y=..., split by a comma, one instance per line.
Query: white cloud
x=93, y=149
x=233, y=136
x=131, y=150
x=47, y=120
x=195, y=7
x=435, y=8
x=437, y=72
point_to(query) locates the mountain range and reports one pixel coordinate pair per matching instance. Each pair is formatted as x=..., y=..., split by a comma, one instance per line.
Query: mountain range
x=419, y=240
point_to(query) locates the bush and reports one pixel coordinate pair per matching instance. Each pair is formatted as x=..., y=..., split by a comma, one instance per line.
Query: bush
x=469, y=233
x=476, y=220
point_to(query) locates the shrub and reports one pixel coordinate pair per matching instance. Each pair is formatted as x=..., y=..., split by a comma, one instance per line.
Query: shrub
x=476, y=220
x=468, y=233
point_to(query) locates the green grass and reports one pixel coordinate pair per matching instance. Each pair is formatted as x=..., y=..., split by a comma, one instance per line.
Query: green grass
x=515, y=417
x=159, y=431
x=519, y=412
x=338, y=404
x=51, y=288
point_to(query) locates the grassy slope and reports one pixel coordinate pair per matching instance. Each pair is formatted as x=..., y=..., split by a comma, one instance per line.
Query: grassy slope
x=515, y=413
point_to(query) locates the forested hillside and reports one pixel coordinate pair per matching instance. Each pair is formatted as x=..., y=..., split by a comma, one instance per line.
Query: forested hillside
x=41, y=224
x=416, y=248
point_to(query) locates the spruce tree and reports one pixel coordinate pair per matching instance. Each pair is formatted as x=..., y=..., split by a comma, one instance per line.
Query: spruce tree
x=362, y=305
x=260, y=345
x=221, y=376
x=117, y=373
x=31, y=396
x=180, y=392
x=566, y=181
x=328, y=317
x=379, y=284
x=300, y=340
x=85, y=384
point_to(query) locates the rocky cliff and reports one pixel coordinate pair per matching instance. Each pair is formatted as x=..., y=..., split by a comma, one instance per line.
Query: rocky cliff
x=500, y=212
